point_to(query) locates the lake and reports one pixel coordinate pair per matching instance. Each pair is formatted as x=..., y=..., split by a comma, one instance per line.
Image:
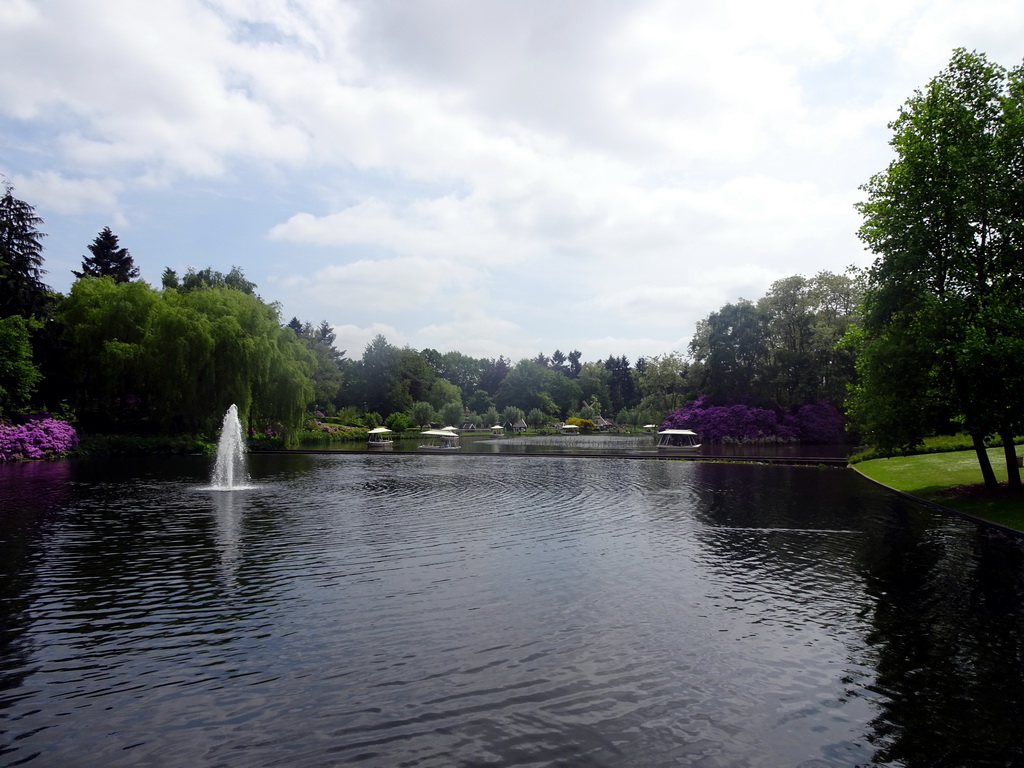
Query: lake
x=512, y=610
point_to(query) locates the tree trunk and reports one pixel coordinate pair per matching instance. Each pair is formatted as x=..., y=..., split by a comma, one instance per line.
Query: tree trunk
x=986, y=466
x=1012, y=470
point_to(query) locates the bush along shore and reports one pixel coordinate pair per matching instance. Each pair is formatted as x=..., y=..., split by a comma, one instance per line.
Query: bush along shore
x=36, y=436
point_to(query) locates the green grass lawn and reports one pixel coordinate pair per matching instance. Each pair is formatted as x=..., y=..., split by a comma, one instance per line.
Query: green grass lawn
x=953, y=480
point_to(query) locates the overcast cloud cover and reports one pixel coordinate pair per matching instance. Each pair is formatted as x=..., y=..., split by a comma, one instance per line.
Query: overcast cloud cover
x=496, y=178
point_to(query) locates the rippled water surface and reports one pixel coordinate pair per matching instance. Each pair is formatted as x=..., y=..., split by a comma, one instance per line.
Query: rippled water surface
x=499, y=611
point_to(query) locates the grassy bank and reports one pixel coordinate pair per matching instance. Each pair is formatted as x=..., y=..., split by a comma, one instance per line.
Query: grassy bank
x=953, y=480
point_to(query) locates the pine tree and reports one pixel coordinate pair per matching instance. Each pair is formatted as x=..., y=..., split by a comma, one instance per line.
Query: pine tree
x=21, y=258
x=108, y=259
x=169, y=279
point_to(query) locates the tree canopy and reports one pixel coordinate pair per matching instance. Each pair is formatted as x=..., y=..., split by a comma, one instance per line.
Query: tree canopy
x=183, y=358
x=782, y=349
x=18, y=375
x=944, y=302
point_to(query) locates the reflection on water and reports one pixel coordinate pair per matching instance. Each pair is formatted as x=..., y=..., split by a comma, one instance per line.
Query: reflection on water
x=412, y=610
x=639, y=444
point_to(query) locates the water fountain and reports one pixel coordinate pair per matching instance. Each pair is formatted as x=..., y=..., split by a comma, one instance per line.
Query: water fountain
x=229, y=471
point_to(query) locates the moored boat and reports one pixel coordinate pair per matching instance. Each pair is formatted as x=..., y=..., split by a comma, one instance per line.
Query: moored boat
x=678, y=440
x=380, y=437
x=440, y=440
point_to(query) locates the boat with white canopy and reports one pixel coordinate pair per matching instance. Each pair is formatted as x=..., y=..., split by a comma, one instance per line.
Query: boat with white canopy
x=678, y=440
x=440, y=440
x=380, y=437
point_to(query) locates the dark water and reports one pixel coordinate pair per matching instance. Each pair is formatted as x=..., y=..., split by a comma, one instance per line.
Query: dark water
x=355, y=609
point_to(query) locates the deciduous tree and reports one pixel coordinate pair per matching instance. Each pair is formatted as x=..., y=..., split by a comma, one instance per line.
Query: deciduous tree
x=664, y=384
x=946, y=220
x=18, y=374
x=730, y=349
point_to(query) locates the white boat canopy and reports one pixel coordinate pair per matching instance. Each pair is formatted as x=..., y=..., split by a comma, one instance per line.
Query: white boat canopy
x=378, y=431
x=677, y=432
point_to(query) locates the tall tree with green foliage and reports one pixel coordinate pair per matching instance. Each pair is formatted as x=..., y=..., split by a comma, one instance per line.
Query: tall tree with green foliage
x=175, y=361
x=452, y=414
x=255, y=362
x=108, y=259
x=789, y=378
x=532, y=385
x=22, y=291
x=946, y=220
x=805, y=319
x=664, y=382
x=834, y=300
x=558, y=363
x=494, y=373
x=327, y=374
x=443, y=392
x=462, y=370
x=525, y=387
x=422, y=413
x=106, y=325
x=574, y=363
x=18, y=374
x=381, y=382
x=730, y=349
x=622, y=389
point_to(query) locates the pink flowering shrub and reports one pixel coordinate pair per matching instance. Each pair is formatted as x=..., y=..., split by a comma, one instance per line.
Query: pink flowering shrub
x=818, y=423
x=41, y=436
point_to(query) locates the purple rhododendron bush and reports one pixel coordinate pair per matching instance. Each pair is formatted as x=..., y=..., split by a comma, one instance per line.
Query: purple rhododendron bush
x=40, y=436
x=815, y=423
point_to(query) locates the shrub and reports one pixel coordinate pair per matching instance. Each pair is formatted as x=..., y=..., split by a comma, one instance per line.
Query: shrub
x=817, y=423
x=398, y=422
x=40, y=436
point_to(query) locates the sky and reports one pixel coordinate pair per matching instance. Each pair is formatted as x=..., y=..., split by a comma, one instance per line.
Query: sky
x=493, y=178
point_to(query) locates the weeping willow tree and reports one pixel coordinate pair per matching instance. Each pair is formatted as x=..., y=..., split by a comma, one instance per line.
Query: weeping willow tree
x=230, y=348
x=105, y=326
x=178, y=360
x=281, y=396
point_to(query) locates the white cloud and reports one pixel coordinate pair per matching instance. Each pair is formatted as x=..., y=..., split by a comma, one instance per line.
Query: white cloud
x=69, y=196
x=387, y=286
x=353, y=339
x=498, y=179
x=473, y=331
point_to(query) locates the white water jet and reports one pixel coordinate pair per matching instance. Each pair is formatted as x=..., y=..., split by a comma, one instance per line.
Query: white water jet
x=229, y=471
